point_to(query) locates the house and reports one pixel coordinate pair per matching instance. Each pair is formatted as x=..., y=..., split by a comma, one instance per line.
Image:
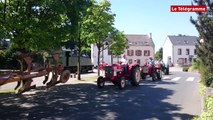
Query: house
x=179, y=50
x=140, y=47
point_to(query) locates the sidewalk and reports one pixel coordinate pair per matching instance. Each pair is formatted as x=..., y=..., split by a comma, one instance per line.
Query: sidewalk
x=172, y=69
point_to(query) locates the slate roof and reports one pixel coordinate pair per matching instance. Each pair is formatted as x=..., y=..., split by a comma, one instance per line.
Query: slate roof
x=139, y=40
x=183, y=40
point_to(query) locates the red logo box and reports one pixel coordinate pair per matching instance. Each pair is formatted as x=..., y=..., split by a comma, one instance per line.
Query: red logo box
x=188, y=8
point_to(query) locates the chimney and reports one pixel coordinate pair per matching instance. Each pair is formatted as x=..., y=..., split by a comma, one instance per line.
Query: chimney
x=150, y=35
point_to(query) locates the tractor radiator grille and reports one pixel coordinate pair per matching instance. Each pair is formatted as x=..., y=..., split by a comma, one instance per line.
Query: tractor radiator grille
x=108, y=71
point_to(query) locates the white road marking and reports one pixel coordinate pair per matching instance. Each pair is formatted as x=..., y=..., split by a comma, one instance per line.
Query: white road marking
x=176, y=79
x=167, y=77
x=190, y=79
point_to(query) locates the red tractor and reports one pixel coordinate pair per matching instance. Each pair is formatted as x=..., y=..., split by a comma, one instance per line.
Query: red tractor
x=118, y=74
x=153, y=71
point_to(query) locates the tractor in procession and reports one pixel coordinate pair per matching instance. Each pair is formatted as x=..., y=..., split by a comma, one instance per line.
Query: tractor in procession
x=118, y=74
x=153, y=71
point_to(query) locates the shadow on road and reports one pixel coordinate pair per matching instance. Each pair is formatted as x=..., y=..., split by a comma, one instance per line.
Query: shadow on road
x=87, y=102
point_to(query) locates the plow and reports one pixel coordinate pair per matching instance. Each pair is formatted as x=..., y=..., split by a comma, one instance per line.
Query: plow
x=52, y=73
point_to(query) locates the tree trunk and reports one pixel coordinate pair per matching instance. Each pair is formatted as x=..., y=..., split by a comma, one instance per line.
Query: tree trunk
x=111, y=59
x=79, y=64
x=99, y=61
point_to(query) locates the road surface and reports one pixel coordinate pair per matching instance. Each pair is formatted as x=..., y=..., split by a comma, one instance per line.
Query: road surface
x=174, y=98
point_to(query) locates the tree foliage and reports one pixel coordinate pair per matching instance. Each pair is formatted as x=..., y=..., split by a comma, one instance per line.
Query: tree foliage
x=43, y=25
x=159, y=54
x=119, y=43
x=33, y=25
x=98, y=25
x=204, y=25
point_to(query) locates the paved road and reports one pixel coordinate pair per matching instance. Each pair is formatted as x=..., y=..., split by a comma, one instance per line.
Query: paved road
x=175, y=97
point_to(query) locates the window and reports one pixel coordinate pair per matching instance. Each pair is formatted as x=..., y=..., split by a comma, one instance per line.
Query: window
x=130, y=52
x=138, y=52
x=187, y=52
x=185, y=61
x=195, y=52
x=179, y=51
x=146, y=52
x=130, y=61
x=109, y=52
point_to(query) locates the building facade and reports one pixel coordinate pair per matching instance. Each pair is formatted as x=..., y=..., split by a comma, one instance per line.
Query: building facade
x=140, y=48
x=179, y=50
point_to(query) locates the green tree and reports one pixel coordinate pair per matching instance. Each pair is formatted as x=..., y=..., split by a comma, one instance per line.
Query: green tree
x=77, y=11
x=33, y=25
x=204, y=25
x=98, y=25
x=159, y=54
x=118, y=44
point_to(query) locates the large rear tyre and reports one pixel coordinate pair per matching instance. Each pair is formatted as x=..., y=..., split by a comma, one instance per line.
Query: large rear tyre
x=159, y=74
x=154, y=76
x=65, y=75
x=121, y=83
x=100, y=82
x=135, y=76
x=167, y=71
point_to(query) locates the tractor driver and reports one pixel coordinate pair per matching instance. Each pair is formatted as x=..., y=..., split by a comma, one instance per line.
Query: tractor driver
x=124, y=62
x=152, y=63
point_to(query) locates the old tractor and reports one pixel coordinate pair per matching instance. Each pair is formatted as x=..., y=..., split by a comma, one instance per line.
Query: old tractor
x=165, y=68
x=24, y=77
x=153, y=71
x=118, y=74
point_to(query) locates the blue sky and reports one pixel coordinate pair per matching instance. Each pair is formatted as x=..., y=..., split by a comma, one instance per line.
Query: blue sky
x=152, y=16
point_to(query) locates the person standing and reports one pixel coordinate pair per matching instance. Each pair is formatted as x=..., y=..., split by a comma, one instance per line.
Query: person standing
x=124, y=62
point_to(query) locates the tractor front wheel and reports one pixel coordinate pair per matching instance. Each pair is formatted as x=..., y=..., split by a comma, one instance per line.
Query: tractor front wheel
x=135, y=76
x=121, y=83
x=100, y=82
x=143, y=76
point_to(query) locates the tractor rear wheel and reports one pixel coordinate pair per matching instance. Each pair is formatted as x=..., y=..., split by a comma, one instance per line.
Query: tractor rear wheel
x=154, y=76
x=135, y=76
x=167, y=71
x=121, y=83
x=65, y=75
x=100, y=82
x=159, y=74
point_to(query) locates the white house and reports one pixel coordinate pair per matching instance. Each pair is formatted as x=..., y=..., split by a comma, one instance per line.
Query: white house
x=179, y=50
x=140, y=47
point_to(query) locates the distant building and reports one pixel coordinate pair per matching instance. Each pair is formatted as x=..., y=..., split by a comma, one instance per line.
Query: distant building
x=140, y=47
x=179, y=50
